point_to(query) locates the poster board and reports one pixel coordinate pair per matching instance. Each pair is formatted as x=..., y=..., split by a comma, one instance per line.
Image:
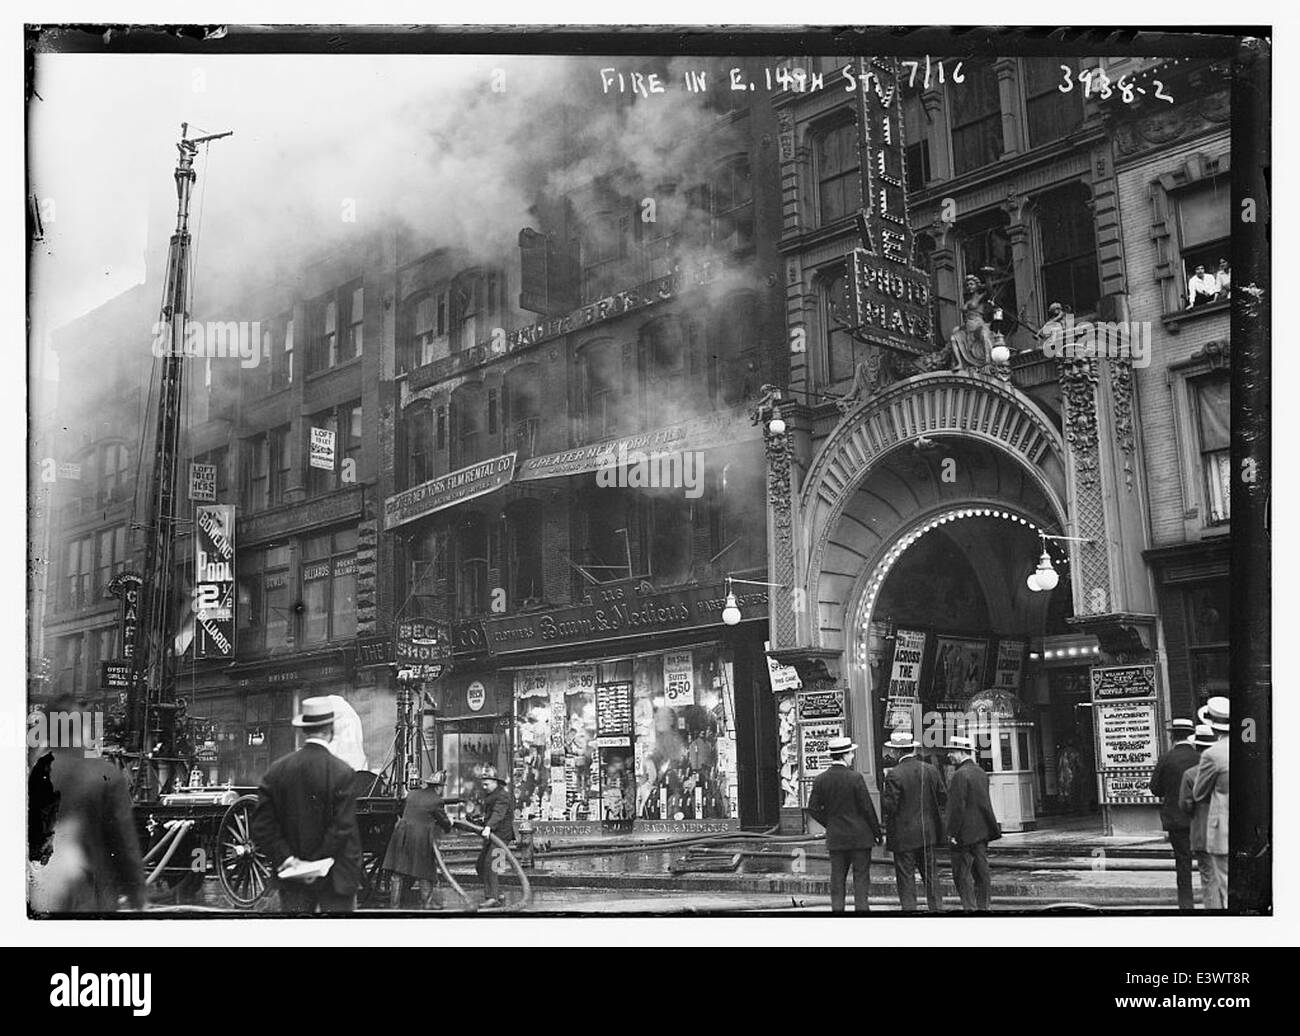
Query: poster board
x=903, y=694
x=1126, y=717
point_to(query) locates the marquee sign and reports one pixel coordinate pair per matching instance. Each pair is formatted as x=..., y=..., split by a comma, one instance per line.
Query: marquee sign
x=888, y=298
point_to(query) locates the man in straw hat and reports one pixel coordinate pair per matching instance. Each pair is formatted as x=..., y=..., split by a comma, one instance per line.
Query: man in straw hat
x=1166, y=780
x=1210, y=785
x=306, y=812
x=971, y=826
x=840, y=802
x=1198, y=814
x=912, y=800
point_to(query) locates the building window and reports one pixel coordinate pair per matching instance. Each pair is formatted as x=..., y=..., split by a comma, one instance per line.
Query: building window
x=1068, y=245
x=1204, y=225
x=915, y=125
x=472, y=564
x=523, y=538
x=112, y=558
x=670, y=520
x=282, y=357
x=609, y=386
x=976, y=117
x=603, y=536
x=428, y=573
x=264, y=613
x=604, y=246
x=1213, y=425
x=329, y=585
x=986, y=254
x=842, y=351
x=257, y=472
x=354, y=299
x=467, y=420
x=421, y=334
x=492, y=411
x=835, y=152
x=345, y=423
x=733, y=368
x=419, y=444
x=521, y=399
x=219, y=459
x=78, y=572
x=71, y=666
x=115, y=482
x=1051, y=114
x=322, y=352
x=732, y=205
x=442, y=428
x=281, y=465
x=1206, y=613
x=663, y=357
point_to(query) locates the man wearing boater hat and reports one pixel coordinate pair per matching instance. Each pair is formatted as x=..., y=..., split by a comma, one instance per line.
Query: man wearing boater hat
x=1166, y=780
x=1198, y=814
x=912, y=800
x=839, y=801
x=1210, y=785
x=971, y=826
x=306, y=811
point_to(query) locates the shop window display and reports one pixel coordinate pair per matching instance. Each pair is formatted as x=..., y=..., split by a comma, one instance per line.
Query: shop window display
x=577, y=759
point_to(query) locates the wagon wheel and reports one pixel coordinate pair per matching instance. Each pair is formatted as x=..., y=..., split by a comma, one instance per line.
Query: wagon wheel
x=243, y=869
x=375, y=881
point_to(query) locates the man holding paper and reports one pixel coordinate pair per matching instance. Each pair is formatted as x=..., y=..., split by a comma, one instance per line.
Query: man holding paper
x=306, y=820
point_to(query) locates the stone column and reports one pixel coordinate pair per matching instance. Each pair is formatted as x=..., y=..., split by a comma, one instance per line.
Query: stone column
x=937, y=118
x=1009, y=101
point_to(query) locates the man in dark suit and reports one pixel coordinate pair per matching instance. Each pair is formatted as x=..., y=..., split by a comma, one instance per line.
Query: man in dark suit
x=306, y=811
x=1166, y=781
x=913, y=800
x=83, y=845
x=839, y=801
x=971, y=826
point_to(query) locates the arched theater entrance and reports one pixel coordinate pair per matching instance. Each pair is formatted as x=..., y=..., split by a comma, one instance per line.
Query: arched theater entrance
x=923, y=512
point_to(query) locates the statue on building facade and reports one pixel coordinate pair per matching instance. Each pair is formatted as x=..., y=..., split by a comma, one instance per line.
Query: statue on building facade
x=971, y=342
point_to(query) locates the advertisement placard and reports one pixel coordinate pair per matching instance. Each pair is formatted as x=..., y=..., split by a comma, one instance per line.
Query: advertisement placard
x=214, y=581
x=679, y=679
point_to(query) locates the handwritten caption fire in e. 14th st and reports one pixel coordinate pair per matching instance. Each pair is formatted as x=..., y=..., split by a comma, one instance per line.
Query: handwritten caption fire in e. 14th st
x=928, y=73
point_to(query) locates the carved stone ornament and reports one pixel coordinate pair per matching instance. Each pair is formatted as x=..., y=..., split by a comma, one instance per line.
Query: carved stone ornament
x=1078, y=378
x=1121, y=387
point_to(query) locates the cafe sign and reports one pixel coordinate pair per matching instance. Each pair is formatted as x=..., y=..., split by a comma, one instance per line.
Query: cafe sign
x=446, y=490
